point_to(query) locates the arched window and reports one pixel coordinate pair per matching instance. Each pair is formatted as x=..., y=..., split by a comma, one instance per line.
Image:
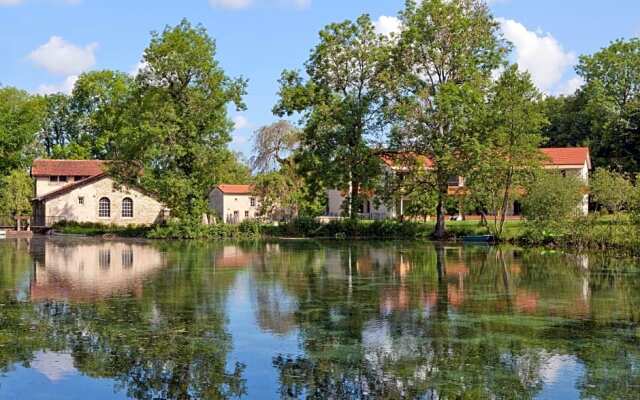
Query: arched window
x=104, y=208
x=127, y=208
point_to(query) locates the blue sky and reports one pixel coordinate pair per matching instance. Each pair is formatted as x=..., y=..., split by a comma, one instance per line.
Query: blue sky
x=45, y=44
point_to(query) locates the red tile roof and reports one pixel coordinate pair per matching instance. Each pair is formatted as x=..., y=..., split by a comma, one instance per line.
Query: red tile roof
x=236, y=189
x=67, y=167
x=394, y=160
x=567, y=156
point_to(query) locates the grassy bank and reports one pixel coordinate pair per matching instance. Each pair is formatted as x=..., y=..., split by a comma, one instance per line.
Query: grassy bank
x=593, y=233
x=387, y=229
x=92, y=229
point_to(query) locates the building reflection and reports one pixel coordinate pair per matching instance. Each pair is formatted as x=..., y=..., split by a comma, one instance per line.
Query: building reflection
x=87, y=270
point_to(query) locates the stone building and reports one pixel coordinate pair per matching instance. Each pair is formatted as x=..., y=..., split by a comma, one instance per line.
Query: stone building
x=82, y=191
x=234, y=203
x=575, y=161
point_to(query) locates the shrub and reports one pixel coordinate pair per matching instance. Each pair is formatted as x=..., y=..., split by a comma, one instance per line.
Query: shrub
x=551, y=203
x=97, y=229
x=196, y=231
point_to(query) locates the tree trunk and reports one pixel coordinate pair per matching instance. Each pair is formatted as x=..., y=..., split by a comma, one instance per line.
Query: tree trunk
x=18, y=222
x=440, y=230
x=505, y=203
x=353, y=207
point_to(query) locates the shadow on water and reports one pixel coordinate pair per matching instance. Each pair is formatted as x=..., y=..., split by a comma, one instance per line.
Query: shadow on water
x=315, y=320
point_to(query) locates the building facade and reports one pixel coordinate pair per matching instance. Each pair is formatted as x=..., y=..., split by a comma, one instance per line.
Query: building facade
x=81, y=191
x=575, y=161
x=234, y=203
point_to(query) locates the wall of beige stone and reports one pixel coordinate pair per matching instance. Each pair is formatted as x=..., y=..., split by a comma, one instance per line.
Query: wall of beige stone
x=228, y=206
x=146, y=210
x=45, y=186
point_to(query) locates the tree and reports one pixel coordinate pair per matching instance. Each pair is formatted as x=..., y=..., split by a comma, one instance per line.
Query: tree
x=98, y=110
x=509, y=152
x=15, y=193
x=605, y=113
x=611, y=189
x=443, y=62
x=340, y=105
x=21, y=117
x=177, y=125
x=552, y=200
x=273, y=146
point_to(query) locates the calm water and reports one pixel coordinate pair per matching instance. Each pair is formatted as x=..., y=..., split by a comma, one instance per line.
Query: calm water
x=83, y=319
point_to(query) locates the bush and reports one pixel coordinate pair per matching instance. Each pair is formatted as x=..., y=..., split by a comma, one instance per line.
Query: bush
x=196, y=231
x=551, y=204
x=97, y=229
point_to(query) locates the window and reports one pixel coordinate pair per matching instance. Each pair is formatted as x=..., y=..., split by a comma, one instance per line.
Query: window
x=53, y=179
x=246, y=214
x=62, y=179
x=104, y=208
x=454, y=181
x=127, y=208
x=252, y=201
x=104, y=258
x=127, y=258
x=81, y=200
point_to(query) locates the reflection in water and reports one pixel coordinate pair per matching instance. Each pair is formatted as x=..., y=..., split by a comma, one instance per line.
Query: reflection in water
x=87, y=271
x=370, y=320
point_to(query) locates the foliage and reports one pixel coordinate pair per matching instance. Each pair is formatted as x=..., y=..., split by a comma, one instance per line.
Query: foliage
x=384, y=229
x=442, y=65
x=552, y=202
x=16, y=190
x=612, y=190
x=247, y=229
x=98, y=229
x=340, y=106
x=273, y=144
x=509, y=153
x=178, y=127
x=605, y=113
x=21, y=116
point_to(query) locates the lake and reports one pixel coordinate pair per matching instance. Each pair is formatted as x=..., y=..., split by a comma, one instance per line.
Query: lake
x=92, y=319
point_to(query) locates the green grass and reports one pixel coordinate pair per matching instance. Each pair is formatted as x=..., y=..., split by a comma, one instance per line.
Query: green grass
x=93, y=229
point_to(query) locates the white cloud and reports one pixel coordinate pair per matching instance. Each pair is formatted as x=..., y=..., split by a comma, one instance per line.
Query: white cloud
x=231, y=4
x=539, y=53
x=569, y=87
x=135, y=70
x=387, y=25
x=65, y=86
x=241, y=122
x=63, y=58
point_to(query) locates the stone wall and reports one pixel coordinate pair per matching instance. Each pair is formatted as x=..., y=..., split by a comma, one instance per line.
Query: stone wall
x=81, y=205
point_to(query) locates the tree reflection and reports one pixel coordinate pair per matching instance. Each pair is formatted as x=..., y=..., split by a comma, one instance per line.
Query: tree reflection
x=459, y=324
x=169, y=341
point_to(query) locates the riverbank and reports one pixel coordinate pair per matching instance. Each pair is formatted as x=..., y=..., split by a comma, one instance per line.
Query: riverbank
x=593, y=233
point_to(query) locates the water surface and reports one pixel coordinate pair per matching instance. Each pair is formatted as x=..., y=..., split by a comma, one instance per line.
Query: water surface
x=153, y=320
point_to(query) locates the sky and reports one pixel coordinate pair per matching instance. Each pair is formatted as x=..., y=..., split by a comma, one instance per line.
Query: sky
x=46, y=44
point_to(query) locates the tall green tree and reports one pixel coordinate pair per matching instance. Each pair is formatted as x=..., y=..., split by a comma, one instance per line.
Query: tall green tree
x=178, y=127
x=15, y=193
x=98, y=107
x=605, y=113
x=443, y=62
x=612, y=87
x=21, y=116
x=340, y=105
x=509, y=152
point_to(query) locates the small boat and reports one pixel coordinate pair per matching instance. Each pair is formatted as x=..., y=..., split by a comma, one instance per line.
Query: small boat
x=479, y=239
